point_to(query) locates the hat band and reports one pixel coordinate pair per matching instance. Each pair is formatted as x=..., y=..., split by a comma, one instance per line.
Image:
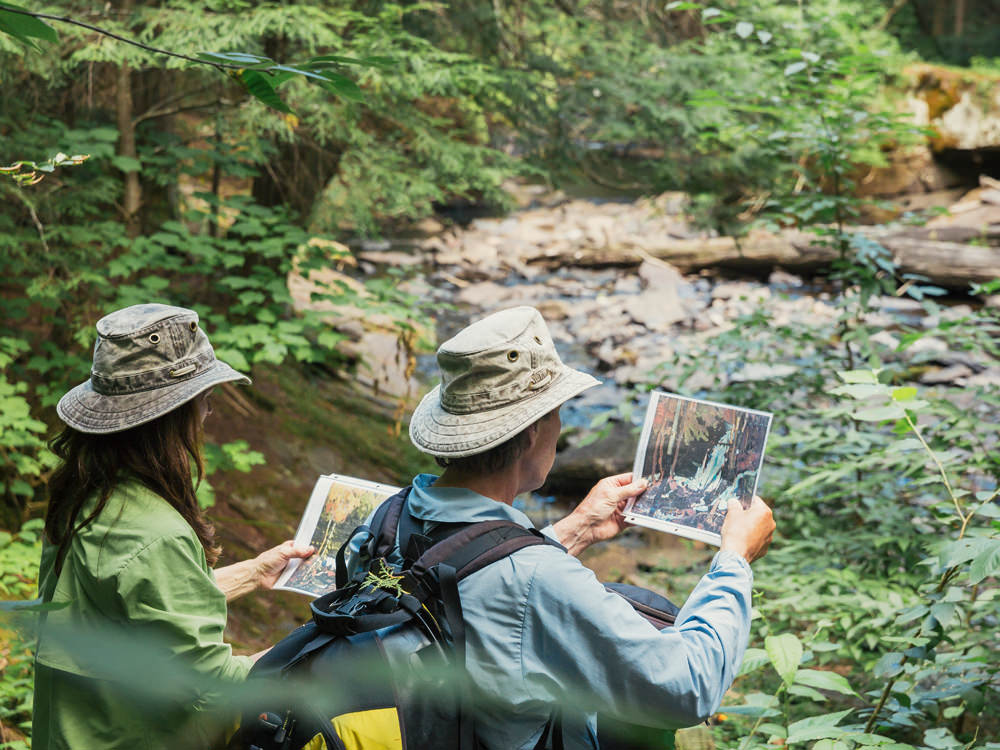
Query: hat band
x=148, y=380
x=498, y=398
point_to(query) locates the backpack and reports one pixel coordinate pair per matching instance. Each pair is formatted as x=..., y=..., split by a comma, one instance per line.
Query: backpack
x=401, y=629
x=381, y=664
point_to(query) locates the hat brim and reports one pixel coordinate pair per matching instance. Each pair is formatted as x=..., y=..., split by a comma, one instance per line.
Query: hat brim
x=442, y=433
x=86, y=410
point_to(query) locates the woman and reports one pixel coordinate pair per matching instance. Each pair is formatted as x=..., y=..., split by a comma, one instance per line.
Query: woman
x=131, y=653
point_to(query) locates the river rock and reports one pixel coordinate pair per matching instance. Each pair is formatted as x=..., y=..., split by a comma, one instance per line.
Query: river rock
x=781, y=278
x=756, y=371
x=656, y=310
x=946, y=375
x=390, y=258
x=577, y=468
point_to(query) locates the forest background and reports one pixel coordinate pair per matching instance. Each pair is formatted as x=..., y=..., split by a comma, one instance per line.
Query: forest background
x=302, y=128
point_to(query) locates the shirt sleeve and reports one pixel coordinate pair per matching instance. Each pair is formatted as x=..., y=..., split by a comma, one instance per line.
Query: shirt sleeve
x=171, y=601
x=579, y=636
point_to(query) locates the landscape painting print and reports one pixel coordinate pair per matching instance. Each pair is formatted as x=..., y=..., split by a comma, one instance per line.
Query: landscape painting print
x=337, y=506
x=698, y=456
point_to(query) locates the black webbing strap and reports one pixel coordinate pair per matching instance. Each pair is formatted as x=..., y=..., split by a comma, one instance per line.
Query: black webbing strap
x=553, y=731
x=452, y=603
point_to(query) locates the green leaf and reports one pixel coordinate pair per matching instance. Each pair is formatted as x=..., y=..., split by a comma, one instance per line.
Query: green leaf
x=963, y=550
x=344, y=87
x=261, y=88
x=785, y=651
x=889, y=665
x=986, y=563
x=243, y=59
x=234, y=358
x=817, y=727
x=753, y=659
x=907, y=393
x=861, y=390
x=126, y=163
x=859, y=376
x=25, y=27
x=879, y=413
x=807, y=692
x=824, y=680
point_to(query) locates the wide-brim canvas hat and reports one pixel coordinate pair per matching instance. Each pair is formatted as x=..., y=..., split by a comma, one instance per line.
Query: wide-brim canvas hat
x=498, y=376
x=148, y=360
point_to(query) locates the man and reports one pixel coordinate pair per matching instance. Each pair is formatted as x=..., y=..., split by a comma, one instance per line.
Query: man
x=544, y=638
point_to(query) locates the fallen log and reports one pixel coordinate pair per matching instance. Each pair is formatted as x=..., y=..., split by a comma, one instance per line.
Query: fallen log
x=950, y=264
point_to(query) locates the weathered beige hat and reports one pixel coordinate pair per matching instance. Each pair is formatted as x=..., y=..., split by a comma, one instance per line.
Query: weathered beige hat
x=498, y=376
x=148, y=360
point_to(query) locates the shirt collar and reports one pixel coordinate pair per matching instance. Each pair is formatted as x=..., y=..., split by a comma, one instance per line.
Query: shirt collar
x=458, y=505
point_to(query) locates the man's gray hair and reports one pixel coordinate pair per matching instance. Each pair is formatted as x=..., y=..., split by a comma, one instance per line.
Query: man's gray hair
x=492, y=461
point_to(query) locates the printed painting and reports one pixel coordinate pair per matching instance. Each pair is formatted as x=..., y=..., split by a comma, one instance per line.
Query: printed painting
x=337, y=507
x=698, y=456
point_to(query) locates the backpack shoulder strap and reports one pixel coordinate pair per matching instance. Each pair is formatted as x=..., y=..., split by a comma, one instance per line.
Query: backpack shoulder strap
x=385, y=522
x=478, y=545
x=381, y=533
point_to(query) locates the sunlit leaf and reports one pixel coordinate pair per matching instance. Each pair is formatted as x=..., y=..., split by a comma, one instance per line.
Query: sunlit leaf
x=824, y=680
x=817, y=727
x=859, y=376
x=785, y=652
x=879, y=413
x=986, y=563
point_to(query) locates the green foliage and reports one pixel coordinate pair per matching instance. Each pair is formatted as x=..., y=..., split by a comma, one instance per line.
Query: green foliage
x=232, y=456
x=888, y=565
x=19, y=557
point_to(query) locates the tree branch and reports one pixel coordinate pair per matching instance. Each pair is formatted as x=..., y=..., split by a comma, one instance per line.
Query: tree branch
x=105, y=32
x=152, y=114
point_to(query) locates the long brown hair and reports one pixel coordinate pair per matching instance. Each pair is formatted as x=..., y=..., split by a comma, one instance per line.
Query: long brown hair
x=158, y=453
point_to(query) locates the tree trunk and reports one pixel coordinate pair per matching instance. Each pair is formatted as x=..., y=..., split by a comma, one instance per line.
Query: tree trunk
x=937, y=28
x=959, y=17
x=126, y=141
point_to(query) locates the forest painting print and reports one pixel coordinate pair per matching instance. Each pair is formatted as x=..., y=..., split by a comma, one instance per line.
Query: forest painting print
x=698, y=456
x=338, y=505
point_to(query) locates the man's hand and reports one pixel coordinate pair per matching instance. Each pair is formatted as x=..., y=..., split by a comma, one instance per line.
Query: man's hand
x=269, y=564
x=748, y=532
x=599, y=514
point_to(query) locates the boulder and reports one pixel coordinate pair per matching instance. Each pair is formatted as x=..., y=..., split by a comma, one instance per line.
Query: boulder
x=577, y=468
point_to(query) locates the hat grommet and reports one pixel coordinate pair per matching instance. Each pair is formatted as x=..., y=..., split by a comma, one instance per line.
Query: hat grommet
x=512, y=355
x=154, y=338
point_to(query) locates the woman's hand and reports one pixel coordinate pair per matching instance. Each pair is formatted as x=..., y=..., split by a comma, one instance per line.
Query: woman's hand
x=259, y=573
x=599, y=515
x=273, y=561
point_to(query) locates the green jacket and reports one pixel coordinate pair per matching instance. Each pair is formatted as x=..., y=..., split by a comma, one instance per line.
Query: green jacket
x=136, y=657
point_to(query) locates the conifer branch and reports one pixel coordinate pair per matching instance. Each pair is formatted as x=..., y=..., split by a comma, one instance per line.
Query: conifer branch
x=126, y=40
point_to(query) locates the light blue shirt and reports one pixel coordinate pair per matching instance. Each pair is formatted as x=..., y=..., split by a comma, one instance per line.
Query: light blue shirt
x=542, y=630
